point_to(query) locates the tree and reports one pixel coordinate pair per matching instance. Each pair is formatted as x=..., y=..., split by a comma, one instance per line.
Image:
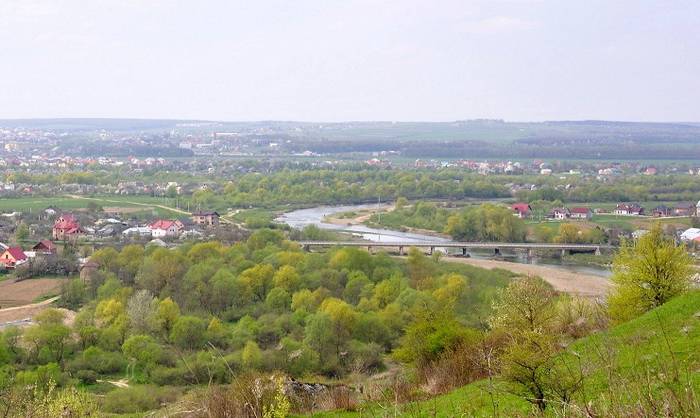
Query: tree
x=251, y=356
x=22, y=232
x=646, y=274
x=162, y=270
x=527, y=304
x=143, y=350
x=568, y=233
x=188, y=332
x=167, y=314
x=141, y=310
x=49, y=334
x=420, y=267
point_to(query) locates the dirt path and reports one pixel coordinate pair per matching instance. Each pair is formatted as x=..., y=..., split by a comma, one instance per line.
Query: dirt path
x=580, y=284
x=22, y=315
x=148, y=205
x=121, y=383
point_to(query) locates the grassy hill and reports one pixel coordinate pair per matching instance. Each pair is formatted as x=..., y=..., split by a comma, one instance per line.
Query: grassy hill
x=647, y=367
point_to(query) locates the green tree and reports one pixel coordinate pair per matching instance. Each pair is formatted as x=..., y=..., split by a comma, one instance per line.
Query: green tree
x=527, y=304
x=251, y=356
x=22, y=232
x=143, y=351
x=167, y=314
x=188, y=332
x=646, y=274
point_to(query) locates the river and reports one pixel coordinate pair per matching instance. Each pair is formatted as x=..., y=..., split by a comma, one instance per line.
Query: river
x=315, y=216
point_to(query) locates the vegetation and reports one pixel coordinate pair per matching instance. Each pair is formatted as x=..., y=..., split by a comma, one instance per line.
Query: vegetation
x=209, y=313
x=648, y=273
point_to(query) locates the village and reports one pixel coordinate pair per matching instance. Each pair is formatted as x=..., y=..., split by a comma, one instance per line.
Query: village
x=70, y=230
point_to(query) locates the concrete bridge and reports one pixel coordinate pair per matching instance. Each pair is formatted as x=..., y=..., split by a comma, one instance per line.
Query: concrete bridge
x=464, y=246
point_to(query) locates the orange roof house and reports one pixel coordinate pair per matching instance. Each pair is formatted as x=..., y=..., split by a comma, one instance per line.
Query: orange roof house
x=12, y=257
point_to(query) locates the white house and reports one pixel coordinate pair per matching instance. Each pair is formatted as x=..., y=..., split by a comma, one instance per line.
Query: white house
x=166, y=228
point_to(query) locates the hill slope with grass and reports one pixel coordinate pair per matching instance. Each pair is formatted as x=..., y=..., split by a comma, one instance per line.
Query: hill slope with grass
x=649, y=366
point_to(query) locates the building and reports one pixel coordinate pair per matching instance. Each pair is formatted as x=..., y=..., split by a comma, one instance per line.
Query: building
x=66, y=227
x=521, y=210
x=661, y=211
x=206, y=218
x=581, y=213
x=684, y=209
x=166, y=228
x=559, y=214
x=628, y=209
x=690, y=234
x=44, y=247
x=13, y=257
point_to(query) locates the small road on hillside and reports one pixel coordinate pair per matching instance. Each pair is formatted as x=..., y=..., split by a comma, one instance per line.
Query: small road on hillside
x=148, y=205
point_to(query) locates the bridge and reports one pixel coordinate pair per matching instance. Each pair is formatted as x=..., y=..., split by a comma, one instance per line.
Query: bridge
x=464, y=246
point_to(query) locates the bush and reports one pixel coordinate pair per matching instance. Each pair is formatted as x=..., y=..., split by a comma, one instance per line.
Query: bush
x=87, y=377
x=138, y=399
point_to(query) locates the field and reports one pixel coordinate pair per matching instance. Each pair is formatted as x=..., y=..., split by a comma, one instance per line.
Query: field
x=131, y=204
x=27, y=291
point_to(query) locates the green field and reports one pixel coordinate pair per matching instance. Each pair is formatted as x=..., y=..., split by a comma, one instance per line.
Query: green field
x=35, y=204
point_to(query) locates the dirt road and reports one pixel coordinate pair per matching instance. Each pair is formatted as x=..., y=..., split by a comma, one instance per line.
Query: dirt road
x=580, y=284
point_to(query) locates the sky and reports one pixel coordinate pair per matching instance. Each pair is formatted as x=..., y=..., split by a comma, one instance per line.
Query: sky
x=328, y=60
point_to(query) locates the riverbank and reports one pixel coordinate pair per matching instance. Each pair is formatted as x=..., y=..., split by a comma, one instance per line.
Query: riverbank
x=574, y=283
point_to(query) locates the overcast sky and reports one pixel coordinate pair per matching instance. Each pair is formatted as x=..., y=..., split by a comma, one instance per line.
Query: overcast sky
x=326, y=60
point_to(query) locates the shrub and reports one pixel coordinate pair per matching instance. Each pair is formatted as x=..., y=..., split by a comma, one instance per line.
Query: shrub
x=138, y=399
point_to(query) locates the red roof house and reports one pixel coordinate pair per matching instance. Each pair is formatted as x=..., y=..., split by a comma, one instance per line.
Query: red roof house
x=13, y=256
x=581, y=213
x=66, y=227
x=45, y=247
x=166, y=228
x=522, y=210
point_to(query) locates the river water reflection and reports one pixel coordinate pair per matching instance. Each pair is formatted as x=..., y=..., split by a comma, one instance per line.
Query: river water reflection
x=315, y=216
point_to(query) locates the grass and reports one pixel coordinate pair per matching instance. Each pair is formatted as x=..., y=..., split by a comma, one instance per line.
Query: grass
x=35, y=204
x=636, y=364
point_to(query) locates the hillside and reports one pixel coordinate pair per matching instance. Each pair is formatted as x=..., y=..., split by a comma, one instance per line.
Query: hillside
x=650, y=366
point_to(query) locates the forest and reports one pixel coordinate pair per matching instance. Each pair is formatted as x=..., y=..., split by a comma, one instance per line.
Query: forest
x=264, y=329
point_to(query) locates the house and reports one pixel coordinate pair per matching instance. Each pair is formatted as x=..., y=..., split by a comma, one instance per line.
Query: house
x=44, y=247
x=559, y=213
x=66, y=227
x=690, y=234
x=581, y=213
x=141, y=231
x=206, y=218
x=13, y=257
x=166, y=228
x=684, y=209
x=628, y=209
x=88, y=271
x=521, y=210
x=661, y=211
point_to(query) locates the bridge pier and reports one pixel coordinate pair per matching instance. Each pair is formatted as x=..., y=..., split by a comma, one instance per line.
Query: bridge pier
x=563, y=252
x=400, y=250
x=597, y=251
x=307, y=248
x=464, y=251
x=529, y=254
